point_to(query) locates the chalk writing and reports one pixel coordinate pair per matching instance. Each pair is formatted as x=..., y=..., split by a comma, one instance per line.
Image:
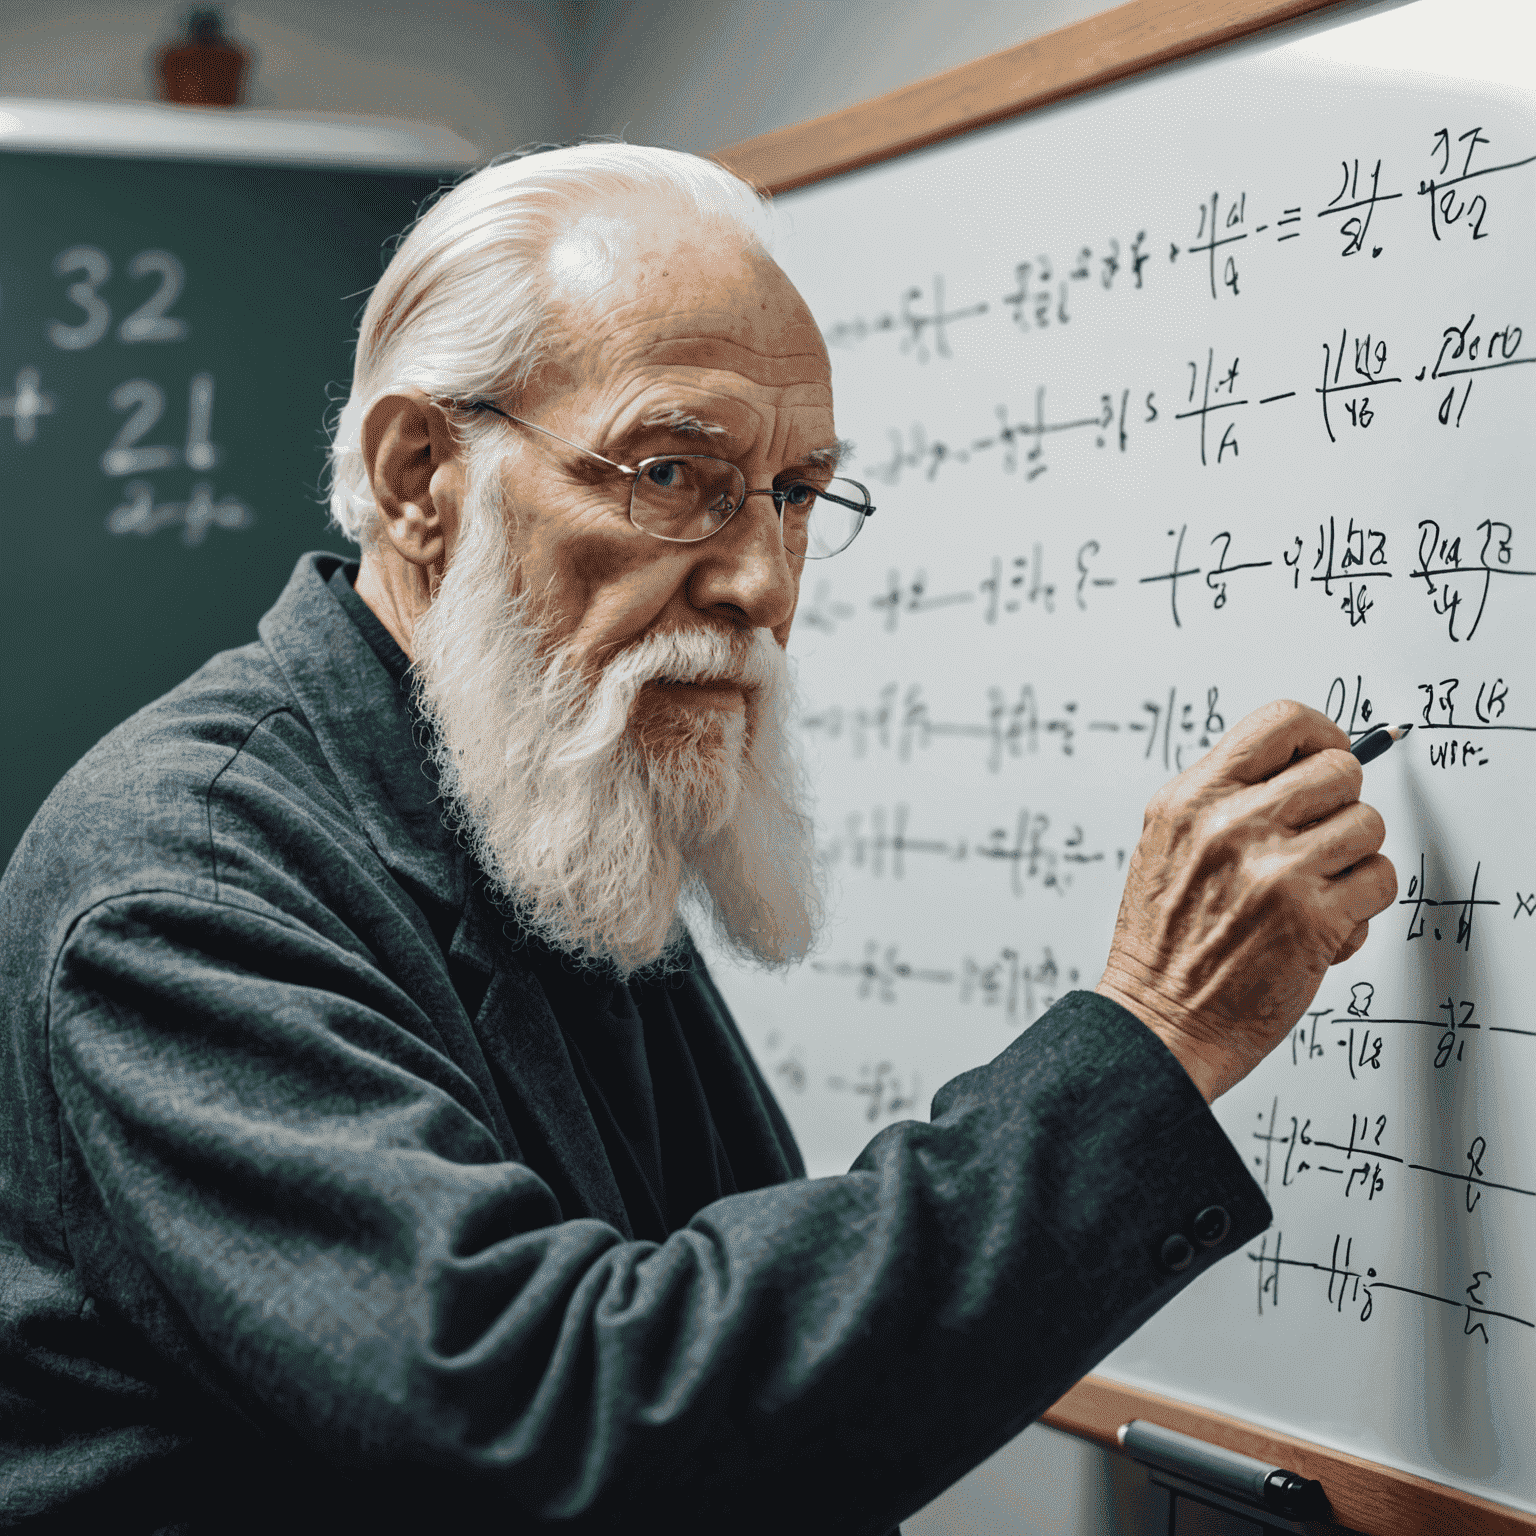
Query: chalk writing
x=87, y=303
x=26, y=404
x=142, y=515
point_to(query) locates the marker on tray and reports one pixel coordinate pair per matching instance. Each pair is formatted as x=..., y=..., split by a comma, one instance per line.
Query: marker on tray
x=1212, y=1466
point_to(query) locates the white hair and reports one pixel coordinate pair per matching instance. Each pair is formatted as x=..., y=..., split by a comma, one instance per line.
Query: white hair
x=462, y=309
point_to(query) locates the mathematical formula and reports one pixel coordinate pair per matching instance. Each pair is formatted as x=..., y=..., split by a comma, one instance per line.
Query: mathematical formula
x=1155, y=435
x=1455, y=178
x=140, y=446
x=1451, y=576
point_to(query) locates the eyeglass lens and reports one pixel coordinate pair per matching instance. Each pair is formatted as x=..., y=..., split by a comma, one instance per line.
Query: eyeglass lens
x=688, y=498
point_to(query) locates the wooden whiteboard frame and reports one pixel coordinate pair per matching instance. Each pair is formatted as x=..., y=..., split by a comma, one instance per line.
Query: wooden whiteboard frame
x=1366, y=1497
x=1126, y=41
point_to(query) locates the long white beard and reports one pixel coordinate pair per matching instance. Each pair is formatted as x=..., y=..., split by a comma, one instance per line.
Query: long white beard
x=595, y=838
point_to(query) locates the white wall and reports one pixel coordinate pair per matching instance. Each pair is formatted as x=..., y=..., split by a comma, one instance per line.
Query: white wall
x=497, y=74
x=697, y=74
x=693, y=73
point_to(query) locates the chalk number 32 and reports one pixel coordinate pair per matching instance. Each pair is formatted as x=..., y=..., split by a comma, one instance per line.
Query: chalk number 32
x=151, y=321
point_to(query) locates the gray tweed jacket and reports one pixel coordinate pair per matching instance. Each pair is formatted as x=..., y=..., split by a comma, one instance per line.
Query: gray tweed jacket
x=304, y=1221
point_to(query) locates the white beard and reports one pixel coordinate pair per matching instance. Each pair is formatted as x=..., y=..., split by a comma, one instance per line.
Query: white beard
x=595, y=838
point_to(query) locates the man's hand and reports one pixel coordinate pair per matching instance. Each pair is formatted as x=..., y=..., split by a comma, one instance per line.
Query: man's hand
x=1257, y=869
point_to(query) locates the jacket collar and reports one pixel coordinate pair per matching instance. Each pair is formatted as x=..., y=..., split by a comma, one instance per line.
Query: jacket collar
x=365, y=729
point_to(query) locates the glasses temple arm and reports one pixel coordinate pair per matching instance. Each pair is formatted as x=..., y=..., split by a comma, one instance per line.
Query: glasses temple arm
x=865, y=506
x=485, y=405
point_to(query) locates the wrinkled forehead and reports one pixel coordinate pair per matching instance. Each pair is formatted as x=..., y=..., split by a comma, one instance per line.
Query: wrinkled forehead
x=636, y=236
x=652, y=280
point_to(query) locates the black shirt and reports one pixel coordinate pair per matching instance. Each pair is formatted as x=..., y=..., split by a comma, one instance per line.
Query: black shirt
x=625, y=1041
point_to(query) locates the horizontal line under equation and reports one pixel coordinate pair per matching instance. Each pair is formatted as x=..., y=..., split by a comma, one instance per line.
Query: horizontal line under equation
x=1352, y=1285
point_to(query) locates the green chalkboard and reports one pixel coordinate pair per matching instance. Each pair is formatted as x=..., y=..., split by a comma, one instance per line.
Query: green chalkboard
x=173, y=335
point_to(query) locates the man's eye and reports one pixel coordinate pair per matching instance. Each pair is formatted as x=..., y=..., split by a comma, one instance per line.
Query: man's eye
x=799, y=494
x=665, y=475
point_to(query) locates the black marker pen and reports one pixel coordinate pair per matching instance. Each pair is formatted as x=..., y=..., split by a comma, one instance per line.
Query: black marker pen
x=1374, y=743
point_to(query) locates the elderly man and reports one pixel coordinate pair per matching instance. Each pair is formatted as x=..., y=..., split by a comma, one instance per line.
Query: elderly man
x=379, y=1155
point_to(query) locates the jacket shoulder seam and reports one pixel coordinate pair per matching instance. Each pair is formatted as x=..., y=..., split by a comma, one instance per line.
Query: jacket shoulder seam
x=213, y=850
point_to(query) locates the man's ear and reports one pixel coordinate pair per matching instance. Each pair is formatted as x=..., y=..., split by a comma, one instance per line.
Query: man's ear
x=415, y=469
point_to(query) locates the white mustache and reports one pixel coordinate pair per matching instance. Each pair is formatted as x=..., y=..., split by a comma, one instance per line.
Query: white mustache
x=752, y=660
x=700, y=656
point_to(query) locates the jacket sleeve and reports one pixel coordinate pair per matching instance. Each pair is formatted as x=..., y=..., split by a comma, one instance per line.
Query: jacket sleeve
x=334, y=1231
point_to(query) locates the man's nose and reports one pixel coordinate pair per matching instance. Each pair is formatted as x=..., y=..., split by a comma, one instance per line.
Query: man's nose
x=745, y=569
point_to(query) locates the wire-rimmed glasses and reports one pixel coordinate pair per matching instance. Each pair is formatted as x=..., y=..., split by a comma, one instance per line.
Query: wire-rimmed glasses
x=685, y=497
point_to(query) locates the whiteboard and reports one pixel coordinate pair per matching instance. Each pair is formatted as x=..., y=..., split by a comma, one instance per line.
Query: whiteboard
x=1210, y=389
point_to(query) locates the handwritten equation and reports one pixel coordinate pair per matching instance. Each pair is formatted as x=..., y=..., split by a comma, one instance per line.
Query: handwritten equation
x=1282, y=454
x=1035, y=852
x=1352, y=393
x=1171, y=729
x=1353, y=1285
x=1357, y=1164
x=1452, y=576
x=1357, y=1037
x=878, y=1088
x=1018, y=988
x=1349, y=560
x=1043, y=292
x=35, y=408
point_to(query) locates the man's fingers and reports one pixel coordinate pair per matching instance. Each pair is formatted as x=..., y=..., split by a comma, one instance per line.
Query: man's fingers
x=1368, y=889
x=1314, y=788
x=1263, y=743
x=1344, y=839
x=1352, y=943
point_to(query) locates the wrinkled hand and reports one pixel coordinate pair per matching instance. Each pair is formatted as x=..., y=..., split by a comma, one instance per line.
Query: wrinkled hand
x=1257, y=869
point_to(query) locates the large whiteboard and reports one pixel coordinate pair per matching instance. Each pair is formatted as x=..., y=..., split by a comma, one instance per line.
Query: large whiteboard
x=1206, y=390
